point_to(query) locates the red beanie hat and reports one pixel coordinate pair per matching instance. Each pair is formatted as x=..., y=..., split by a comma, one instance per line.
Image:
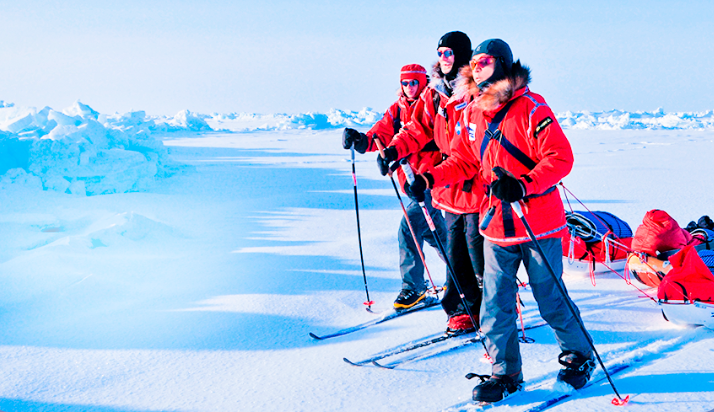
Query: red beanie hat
x=414, y=71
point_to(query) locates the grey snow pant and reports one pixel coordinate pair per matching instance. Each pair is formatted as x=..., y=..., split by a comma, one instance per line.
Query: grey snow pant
x=498, y=312
x=410, y=264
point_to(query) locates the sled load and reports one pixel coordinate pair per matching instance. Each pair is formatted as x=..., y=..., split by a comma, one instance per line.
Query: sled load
x=686, y=294
x=660, y=236
x=598, y=242
x=680, y=263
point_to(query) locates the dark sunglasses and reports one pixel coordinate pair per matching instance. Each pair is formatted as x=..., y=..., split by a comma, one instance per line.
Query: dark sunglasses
x=410, y=83
x=445, y=53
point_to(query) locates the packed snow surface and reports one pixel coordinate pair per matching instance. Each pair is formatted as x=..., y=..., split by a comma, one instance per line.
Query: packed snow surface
x=178, y=264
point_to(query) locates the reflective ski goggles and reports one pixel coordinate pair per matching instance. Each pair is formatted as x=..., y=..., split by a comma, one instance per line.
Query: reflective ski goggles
x=412, y=83
x=482, y=62
x=445, y=53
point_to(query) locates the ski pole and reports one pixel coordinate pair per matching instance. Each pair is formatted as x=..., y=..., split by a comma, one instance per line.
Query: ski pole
x=407, y=169
x=519, y=212
x=406, y=217
x=359, y=234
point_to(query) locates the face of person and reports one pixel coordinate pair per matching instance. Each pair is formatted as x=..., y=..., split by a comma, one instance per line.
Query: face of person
x=410, y=88
x=446, y=59
x=482, y=67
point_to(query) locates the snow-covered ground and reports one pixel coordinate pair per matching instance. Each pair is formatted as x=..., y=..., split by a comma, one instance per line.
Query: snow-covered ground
x=178, y=264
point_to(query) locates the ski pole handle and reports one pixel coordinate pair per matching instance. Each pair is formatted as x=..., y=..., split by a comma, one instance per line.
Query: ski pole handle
x=487, y=219
x=354, y=173
x=517, y=208
x=407, y=169
x=379, y=144
x=409, y=174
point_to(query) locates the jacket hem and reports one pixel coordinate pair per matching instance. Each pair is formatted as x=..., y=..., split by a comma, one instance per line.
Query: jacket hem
x=450, y=209
x=517, y=240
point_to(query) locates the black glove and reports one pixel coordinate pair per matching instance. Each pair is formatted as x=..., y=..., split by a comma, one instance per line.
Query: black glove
x=508, y=189
x=416, y=190
x=390, y=155
x=705, y=222
x=352, y=136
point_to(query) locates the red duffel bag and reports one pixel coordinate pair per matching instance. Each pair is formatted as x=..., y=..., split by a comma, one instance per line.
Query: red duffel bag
x=690, y=278
x=659, y=232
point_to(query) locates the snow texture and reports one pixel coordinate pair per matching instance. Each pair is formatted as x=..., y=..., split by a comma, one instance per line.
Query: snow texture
x=192, y=282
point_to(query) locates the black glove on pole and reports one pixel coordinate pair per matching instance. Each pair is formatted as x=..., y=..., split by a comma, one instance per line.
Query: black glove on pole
x=351, y=137
x=507, y=188
x=384, y=158
x=417, y=188
x=359, y=234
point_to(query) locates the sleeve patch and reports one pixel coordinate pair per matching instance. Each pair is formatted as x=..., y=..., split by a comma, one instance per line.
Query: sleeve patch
x=542, y=125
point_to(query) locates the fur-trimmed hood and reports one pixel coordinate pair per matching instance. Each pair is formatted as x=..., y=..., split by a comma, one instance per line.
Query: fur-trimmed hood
x=500, y=92
x=438, y=81
x=466, y=88
x=497, y=93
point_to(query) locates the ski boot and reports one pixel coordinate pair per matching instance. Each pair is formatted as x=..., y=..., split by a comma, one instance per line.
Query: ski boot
x=408, y=298
x=459, y=324
x=576, y=369
x=496, y=388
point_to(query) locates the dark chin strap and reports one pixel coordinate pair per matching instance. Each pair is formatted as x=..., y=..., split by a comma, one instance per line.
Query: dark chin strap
x=452, y=74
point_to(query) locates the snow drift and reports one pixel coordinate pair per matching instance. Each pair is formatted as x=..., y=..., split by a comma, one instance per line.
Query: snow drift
x=80, y=151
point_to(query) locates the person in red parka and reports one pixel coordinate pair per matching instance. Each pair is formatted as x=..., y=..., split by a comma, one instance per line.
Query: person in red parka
x=434, y=123
x=511, y=128
x=413, y=80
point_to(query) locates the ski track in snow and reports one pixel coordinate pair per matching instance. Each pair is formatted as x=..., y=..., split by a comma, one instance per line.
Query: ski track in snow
x=198, y=294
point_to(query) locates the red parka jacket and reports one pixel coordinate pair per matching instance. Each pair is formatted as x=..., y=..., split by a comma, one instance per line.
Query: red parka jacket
x=428, y=128
x=398, y=114
x=531, y=146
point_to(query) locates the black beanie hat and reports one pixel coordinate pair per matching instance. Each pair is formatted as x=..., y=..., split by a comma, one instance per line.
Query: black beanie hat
x=460, y=43
x=504, y=59
x=498, y=49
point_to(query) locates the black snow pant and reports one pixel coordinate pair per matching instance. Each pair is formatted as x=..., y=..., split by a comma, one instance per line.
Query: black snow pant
x=464, y=249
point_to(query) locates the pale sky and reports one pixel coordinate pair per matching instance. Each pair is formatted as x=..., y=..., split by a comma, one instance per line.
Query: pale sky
x=292, y=57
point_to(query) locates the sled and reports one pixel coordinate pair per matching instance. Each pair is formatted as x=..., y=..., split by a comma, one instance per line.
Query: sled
x=686, y=313
x=583, y=268
x=597, y=243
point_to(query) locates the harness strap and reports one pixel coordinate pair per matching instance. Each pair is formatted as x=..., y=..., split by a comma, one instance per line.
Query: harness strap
x=397, y=121
x=493, y=133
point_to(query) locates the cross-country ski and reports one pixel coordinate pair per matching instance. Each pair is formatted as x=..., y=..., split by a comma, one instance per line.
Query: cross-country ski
x=429, y=301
